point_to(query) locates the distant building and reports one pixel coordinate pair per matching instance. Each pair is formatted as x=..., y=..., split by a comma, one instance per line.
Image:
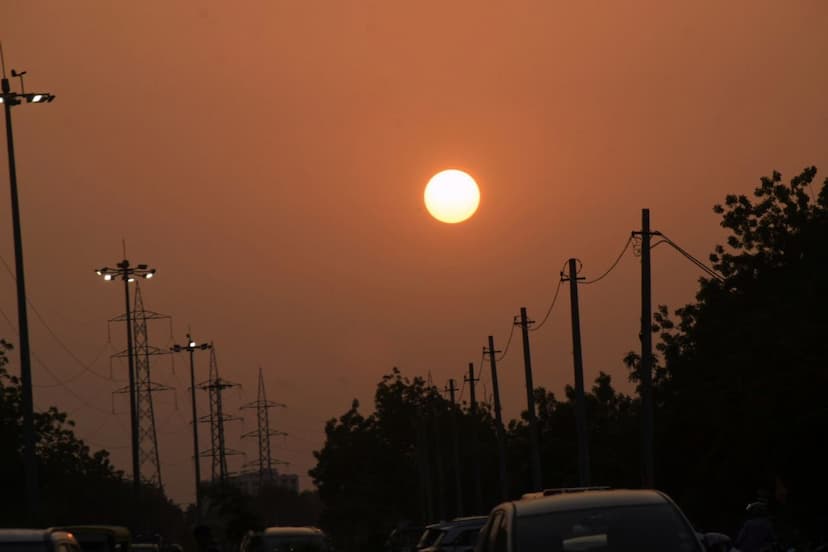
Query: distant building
x=250, y=482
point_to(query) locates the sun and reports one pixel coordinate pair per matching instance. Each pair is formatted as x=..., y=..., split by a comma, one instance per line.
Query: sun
x=452, y=196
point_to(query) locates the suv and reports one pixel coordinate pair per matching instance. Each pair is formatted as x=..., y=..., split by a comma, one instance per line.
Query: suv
x=566, y=520
x=285, y=539
x=37, y=540
x=457, y=535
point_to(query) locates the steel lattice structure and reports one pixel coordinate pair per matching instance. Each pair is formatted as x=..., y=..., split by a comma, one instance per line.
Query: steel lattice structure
x=149, y=457
x=263, y=432
x=218, y=450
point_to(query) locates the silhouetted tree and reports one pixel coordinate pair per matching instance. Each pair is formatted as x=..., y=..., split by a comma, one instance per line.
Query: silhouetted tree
x=742, y=400
x=76, y=485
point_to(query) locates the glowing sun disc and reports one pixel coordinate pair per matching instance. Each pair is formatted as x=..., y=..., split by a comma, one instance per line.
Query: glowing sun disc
x=452, y=196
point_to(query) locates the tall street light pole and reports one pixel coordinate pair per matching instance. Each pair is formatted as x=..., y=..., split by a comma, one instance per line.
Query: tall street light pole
x=128, y=273
x=191, y=347
x=10, y=99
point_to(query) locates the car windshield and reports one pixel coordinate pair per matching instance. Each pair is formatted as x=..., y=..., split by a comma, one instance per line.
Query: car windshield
x=645, y=528
x=429, y=537
x=294, y=543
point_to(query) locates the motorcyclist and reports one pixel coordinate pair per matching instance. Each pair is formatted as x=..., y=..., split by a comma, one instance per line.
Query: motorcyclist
x=757, y=533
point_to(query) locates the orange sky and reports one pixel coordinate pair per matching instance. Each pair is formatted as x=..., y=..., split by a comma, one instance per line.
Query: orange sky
x=270, y=162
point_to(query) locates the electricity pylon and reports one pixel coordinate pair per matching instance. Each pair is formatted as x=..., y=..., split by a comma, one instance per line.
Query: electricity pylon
x=148, y=454
x=218, y=451
x=263, y=432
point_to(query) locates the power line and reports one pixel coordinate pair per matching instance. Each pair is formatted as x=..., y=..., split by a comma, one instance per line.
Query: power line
x=612, y=267
x=706, y=269
x=60, y=382
x=87, y=367
x=508, y=342
x=549, y=310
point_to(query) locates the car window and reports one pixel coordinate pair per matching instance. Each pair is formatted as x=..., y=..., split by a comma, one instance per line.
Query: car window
x=466, y=538
x=644, y=528
x=429, y=537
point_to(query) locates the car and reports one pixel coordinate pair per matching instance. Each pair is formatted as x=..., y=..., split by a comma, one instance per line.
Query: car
x=37, y=540
x=404, y=538
x=99, y=538
x=564, y=520
x=457, y=535
x=286, y=539
x=430, y=534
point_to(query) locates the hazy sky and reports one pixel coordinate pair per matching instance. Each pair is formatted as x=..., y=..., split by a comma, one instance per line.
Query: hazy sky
x=269, y=159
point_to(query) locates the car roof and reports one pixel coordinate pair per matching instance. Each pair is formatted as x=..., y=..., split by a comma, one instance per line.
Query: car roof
x=114, y=530
x=468, y=520
x=33, y=535
x=587, y=499
x=274, y=531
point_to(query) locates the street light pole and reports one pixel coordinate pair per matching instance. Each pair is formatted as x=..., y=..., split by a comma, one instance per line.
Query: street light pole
x=10, y=99
x=128, y=273
x=191, y=347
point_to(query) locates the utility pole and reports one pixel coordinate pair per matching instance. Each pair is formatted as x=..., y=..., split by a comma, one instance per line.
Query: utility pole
x=263, y=432
x=423, y=465
x=537, y=478
x=191, y=347
x=646, y=363
x=501, y=437
x=456, y=451
x=10, y=99
x=478, y=491
x=580, y=406
x=434, y=417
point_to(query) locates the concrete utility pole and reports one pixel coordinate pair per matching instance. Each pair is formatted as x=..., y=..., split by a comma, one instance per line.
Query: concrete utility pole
x=475, y=447
x=501, y=437
x=537, y=477
x=580, y=406
x=424, y=468
x=438, y=457
x=456, y=451
x=646, y=362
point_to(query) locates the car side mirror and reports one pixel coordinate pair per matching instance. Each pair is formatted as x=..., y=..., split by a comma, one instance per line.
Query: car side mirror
x=716, y=542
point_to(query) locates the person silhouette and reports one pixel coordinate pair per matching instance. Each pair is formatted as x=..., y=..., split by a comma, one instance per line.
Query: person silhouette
x=757, y=533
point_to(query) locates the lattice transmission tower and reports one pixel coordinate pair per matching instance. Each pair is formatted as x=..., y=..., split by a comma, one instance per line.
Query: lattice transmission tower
x=218, y=450
x=263, y=433
x=148, y=454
